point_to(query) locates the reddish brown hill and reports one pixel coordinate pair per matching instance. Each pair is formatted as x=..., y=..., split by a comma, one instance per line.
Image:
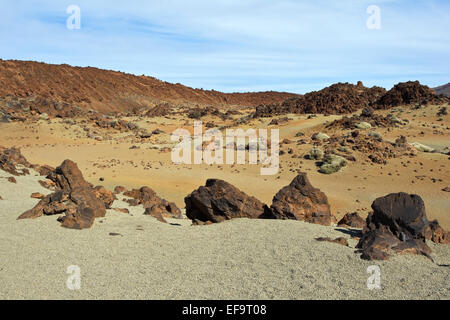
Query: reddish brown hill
x=445, y=90
x=104, y=91
x=338, y=98
x=343, y=98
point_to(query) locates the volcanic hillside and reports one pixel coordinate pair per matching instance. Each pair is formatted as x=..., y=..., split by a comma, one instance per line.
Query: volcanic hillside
x=106, y=91
x=344, y=98
x=445, y=90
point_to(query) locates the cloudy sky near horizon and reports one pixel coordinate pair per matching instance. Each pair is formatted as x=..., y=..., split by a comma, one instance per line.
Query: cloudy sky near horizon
x=238, y=45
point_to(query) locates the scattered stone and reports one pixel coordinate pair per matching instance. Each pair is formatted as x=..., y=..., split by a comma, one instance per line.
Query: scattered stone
x=106, y=196
x=114, y=234
x=120, y=189
x=12, y=180
x=363, y=125
x=48, y=184
x=44, y=116
x=320, y=136
x=218, y=201
x=37, y=195
x=315, y=154
x=332, y=163
x=300, y=201
x=341, y=240
x=421, y=147
x=352, y=220
x=10, y=159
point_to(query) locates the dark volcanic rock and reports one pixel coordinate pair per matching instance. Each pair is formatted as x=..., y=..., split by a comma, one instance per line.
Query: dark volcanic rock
x=338, y=98
x=398, y=224
x=74, y=197
x=352, y=220
x=218, y=201
x=407, y=93
x=300, y=201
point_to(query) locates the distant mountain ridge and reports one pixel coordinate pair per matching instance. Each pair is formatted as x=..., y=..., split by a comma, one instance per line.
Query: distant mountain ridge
x=445, y=90
x=110, y=91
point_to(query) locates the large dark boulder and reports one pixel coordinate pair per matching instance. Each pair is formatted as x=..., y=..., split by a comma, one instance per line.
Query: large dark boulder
x=399, y=225
x=300, y=201
x=218, y=201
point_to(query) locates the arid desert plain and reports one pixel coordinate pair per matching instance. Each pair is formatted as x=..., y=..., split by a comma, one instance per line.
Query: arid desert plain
x=241, y=235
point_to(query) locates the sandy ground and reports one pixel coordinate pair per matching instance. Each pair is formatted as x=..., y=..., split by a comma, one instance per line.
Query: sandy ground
x=240, y=259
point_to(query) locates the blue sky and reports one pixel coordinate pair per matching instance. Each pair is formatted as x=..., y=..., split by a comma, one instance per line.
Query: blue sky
x=238, y=45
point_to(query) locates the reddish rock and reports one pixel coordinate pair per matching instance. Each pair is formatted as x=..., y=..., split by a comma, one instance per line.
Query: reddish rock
x=399, y=225
x=341, y=240
x=67, y=176
x=74, y=197
x=37, y=195
x=150, y=200
x=352, y=220
x=218, y=201
x=436, y=233
x=10, y=158
x=12, y=180
x=120, y=189
x=407, y=93
x=300, y=201
x=48, y=184
x=105, y=195
x=156, y=212
x=43, y=170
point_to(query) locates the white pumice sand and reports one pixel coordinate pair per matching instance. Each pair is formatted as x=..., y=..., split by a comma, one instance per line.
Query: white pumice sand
x=240, y=259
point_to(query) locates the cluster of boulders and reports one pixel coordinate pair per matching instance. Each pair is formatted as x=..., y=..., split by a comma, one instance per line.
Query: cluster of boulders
x=73, y=197
x=368, y=119
x=409, y=93
x=218, y=201
x=333, y=153
x=397, y=225
x=154, y=205
x=339, y=98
